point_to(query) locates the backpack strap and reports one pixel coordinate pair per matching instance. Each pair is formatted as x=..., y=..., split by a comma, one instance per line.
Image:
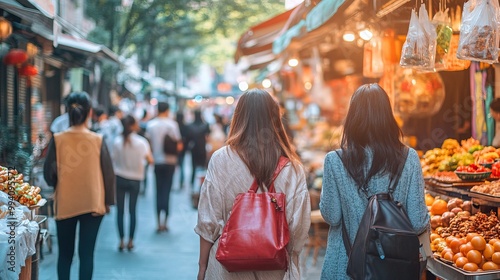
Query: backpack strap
x=281, y=163
x=395, y=182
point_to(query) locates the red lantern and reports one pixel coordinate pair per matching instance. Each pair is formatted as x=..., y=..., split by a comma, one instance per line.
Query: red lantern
x=28, y=70
x=15, y=57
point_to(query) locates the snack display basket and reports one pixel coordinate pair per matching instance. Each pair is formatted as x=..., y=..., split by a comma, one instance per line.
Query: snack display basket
x=473, y=176
x=446, y=271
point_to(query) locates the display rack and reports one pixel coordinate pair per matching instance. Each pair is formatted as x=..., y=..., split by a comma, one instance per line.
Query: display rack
x=449, y=272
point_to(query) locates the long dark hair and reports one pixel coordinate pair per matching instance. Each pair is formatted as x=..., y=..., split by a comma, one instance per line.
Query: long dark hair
x=78, y=104
x=370, y=124
x=258, y=136
x=128, y=123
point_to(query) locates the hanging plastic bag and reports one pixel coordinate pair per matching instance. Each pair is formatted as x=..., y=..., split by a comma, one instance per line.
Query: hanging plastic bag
x=479, y=31
x=412, y=54
x=419, y=48
x=443, y=38
x=430, y=39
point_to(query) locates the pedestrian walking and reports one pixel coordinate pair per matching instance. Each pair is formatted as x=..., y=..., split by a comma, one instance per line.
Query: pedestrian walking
x=130, y=151
x=197, y=136
x=184, y=135
x=165, y=164
x=112, y=126
x=370, y=155
x=79, y=167
x=232, y=170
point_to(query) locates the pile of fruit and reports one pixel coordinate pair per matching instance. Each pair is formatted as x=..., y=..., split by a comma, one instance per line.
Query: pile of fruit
x=490, y=188
x=451, y=155
x=12, y=183
x=469, y=242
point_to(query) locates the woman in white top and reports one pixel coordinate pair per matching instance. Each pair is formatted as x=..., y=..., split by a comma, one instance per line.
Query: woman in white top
x=256, y=141
x=129, y=152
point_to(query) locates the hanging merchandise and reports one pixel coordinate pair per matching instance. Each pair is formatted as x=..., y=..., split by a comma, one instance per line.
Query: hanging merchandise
x=417, y=94
x=453, y=63
x=373, y=65
x=479, y=36
x=444, y=33
x=419, y=48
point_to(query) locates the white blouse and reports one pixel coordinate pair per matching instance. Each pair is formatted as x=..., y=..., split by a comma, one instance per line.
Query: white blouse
x=227, y=176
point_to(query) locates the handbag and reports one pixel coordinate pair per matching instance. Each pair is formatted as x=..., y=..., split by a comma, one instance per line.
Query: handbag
x=170, y=145
x=256, y=233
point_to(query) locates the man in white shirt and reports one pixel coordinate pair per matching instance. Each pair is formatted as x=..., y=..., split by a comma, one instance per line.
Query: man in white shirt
x=60, y=124
x=156, y=131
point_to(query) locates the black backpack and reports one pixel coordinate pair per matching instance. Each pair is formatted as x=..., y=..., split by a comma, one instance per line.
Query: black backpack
x=386, y=246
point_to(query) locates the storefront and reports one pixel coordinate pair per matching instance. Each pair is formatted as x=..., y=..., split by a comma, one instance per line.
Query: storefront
x=339, y=45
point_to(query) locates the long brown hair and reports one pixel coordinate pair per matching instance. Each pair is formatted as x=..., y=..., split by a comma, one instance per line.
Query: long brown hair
x=370, y=124
x=258, y=136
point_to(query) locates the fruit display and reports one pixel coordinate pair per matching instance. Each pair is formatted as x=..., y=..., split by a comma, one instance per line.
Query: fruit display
x=452, y=155
x=446, y=177
x=489, y=188
x=12, y=183
x=468, y=242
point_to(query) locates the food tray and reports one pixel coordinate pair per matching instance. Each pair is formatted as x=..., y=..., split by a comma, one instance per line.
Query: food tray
x=485, y=196
x=449, y=272
x=473, y=176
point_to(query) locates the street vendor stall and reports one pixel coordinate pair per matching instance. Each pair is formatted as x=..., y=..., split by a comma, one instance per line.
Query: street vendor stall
x=19, y=225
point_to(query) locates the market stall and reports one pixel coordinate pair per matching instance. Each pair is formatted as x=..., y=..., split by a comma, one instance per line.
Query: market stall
x=463, y=197
x=19, y=226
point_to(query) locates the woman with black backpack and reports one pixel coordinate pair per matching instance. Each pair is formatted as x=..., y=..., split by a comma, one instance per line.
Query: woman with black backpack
x=371, y=156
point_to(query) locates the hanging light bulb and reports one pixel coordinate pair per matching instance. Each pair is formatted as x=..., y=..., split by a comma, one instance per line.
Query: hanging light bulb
x=366, y=34
x=293, y=62
x=349, y=36
x=5, y=28
x=266, y=83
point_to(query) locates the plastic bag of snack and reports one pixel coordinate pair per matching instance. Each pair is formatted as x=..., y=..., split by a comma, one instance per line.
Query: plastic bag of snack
x=479, y=31
x=413, y=52
x=420, y=45
x=444, y=32
x=430, y=38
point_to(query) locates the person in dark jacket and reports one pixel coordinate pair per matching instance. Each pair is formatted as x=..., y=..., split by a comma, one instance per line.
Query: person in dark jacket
x=79, y=167
x=197, y=135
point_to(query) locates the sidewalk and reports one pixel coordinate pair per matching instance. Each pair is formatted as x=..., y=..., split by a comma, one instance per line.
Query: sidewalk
x=169, y=255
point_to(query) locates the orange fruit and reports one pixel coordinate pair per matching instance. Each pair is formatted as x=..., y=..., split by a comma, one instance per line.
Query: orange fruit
x=438, y=207
x=470, y=267
x=465, y=248
x=446, y=250
x=490, y=266
x=496, y=257
x=478, y=242
x=496, y=245
x=455, y=244
x=461, y=261
x=493, y=240
x=456, y=256
x=448, y=256
x=470, y=235
x=488, y=251
x=429, y=199
x=449, y=239
x=475, y=256
x=434, y=236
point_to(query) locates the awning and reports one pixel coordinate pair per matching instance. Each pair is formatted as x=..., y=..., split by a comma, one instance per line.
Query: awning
x=315, y=18
x=257, y=42
x=71, y=43
x=26, y=14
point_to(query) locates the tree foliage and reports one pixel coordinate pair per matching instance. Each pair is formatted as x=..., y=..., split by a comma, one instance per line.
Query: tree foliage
x=160, y=32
